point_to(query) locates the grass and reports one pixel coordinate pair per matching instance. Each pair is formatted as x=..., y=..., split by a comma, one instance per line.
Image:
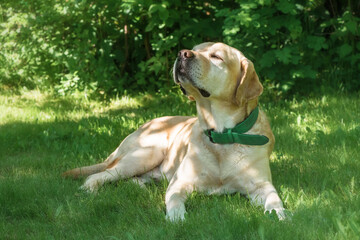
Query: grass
x=315, y=168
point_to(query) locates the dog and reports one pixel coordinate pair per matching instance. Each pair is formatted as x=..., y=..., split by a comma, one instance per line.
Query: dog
x=225, y=149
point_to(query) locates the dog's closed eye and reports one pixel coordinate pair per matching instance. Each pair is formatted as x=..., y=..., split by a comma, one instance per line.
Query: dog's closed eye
x=216, y=56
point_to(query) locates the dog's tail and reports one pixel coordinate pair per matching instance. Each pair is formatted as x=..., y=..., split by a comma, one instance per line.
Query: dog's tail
x=85, y=171
x=89, y=170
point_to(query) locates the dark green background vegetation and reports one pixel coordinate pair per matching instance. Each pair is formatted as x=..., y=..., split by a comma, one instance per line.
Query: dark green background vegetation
x=109, y=47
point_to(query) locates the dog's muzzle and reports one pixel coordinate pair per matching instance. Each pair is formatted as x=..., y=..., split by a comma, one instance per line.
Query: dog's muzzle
x=181, y=64
x=185, y=57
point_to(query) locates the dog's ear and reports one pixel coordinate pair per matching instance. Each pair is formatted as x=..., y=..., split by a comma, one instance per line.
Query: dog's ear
x=248, y=84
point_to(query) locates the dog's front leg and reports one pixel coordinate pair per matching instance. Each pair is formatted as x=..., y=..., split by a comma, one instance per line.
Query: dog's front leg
x=265, y=194
x=180, y=186
x=175, y=201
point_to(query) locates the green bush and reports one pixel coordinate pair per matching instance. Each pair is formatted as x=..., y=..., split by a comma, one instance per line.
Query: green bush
x=298, y=45
x=110, y=46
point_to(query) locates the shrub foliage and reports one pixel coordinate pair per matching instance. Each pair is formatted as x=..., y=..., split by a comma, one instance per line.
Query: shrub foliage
x=112, y=46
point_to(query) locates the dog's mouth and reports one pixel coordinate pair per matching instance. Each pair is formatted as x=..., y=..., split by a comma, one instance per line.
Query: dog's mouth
x=181, y=75
x=179, y=71
x=203, y=92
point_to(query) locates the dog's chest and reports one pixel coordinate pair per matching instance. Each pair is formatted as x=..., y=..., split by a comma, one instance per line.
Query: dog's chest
x=228, y=171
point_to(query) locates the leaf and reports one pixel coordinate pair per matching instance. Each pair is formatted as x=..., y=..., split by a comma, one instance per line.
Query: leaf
x=352, y=26
x=287, y=7
x=295, y=32
x=345, y=50
x=316, y=43
x=163, y=13
x=294, y=26
x=58, y=211
x=223, y=12
x=284, y=55
x=267, y=59
x=153, y=8
x=149, y=27
x=232, y=31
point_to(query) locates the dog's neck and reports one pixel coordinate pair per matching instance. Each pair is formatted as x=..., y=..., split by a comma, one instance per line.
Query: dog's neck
x=219, y=115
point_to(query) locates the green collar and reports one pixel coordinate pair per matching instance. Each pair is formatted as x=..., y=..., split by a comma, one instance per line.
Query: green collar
x=236, y=134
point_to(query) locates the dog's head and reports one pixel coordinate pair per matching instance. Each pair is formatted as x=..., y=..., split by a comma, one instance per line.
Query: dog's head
x=216, y=70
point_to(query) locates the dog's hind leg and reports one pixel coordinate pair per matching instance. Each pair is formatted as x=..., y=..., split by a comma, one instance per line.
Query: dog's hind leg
x=147, y=177
x=133, y=163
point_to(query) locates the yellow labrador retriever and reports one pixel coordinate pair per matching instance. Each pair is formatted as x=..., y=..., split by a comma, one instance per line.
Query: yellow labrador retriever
x=225, y=149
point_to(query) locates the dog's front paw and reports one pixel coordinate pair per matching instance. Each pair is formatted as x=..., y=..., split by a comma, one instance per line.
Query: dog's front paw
x=176, y=214
x=281, y=213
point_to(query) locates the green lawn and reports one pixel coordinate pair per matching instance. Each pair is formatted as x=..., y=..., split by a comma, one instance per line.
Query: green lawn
x=315, y=167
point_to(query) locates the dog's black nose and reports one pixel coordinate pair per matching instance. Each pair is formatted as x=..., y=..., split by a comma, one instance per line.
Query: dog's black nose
x=185, y=54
